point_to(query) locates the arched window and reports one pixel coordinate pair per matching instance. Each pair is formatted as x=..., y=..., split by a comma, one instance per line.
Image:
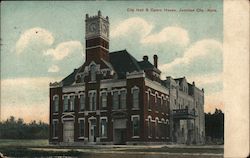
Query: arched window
x=72, y=103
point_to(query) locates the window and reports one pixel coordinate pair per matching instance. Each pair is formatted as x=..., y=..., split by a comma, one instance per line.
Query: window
x=93, y=72
x=104, y=99
x=123, y=99
x=156, y=128
x=115, y=100
x=135, y=98
x=103, y=127
x=56, y=104
x=82, y=102
x=82, y=78
x=55, y=128
x=148, y=100
x=92, y=101
x=135, y=121
x=158, y=104
x=65, y=103
x=152, y=101
x=149, y=128
x=72, y=103
x=81, y=127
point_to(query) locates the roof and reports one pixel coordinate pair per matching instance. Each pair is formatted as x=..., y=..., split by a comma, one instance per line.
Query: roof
x=179, y=79
x=123, y=62
x=70, y=78
x=145, y=65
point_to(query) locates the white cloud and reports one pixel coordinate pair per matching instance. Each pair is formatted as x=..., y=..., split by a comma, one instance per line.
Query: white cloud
x=37, y=35
x=53, y=68
x=206, y=79
x=130, y=25
x=64, y=49
x=173, y=35
x=199, y=49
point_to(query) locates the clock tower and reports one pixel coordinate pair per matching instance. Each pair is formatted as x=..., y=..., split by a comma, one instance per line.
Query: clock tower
x=97, y=38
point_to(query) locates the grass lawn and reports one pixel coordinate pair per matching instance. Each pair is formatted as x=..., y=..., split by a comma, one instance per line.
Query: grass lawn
x=41, y=148
x=23, y=142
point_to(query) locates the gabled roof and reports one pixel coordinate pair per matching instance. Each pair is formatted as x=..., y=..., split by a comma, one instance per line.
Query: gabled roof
x=123, y=62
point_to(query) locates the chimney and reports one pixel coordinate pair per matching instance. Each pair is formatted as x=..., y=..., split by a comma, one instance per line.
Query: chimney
x=155, y=60
x=145, y=58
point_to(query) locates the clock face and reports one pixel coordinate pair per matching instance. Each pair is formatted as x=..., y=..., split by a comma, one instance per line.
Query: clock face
x=92, y=27
x=105, y=29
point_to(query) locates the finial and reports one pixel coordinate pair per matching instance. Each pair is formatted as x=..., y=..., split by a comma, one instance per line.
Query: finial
x=107, y=18
x=87, y=16
x=99, y=13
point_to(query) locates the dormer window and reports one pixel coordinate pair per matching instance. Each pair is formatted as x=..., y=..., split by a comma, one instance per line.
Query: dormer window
x=93, y=72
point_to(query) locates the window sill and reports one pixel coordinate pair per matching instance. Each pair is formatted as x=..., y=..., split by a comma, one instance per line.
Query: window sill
x=68, y=112
x=103, y=110
x=156, y=111
x=149, y=110
x=91, y=111
x=55, y=138
x=81, y=138
x=104, y=137
x=136, y=137
x=81, y=112
x=135, y=109
x=119, y=109
x=55, y=113
x=149, y=137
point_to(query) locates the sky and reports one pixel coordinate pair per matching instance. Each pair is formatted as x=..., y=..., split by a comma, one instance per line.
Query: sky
x=42, y=42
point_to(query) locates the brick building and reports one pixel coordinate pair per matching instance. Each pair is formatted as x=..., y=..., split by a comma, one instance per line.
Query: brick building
x=114, y=99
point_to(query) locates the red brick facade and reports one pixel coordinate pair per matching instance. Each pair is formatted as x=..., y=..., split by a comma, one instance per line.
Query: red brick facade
x=111, y=99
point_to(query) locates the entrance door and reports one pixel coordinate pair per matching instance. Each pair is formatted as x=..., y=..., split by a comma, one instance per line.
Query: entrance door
x=68, y=131
x=119, y=136
x=120, y=126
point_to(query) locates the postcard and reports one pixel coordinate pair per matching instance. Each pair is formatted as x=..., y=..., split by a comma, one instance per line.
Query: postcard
x=105, y=79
